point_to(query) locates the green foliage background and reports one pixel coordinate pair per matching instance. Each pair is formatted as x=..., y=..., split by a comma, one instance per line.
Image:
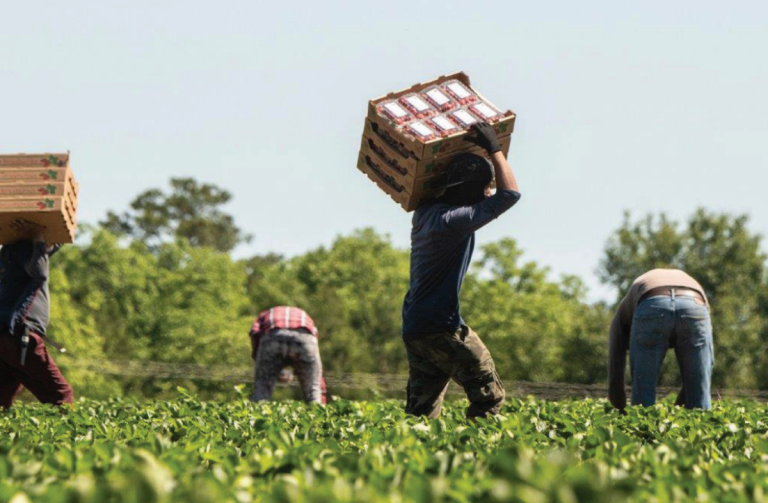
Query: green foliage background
x=157, y=284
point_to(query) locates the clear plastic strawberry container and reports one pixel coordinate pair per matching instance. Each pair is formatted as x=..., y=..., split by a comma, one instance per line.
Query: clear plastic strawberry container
x=418, y=106
x=485, y=112
x=443, y=125
x=439, y=99
x=459, y=92
x=394, y=111
x=420, y=131
x=463, y=118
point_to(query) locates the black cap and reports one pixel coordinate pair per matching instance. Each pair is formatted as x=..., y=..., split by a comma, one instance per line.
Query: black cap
x=468, y=167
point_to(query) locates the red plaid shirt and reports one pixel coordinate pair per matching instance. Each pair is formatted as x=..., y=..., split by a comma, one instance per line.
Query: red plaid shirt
x=282, y=317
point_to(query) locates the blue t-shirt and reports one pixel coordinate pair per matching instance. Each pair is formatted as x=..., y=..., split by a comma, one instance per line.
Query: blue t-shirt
x=442, y=241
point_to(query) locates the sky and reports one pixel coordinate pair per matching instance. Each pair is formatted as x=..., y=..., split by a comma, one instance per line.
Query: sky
x=644, y=106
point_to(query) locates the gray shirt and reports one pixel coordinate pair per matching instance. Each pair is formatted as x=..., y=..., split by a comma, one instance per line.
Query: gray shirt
x=24, y=299
x=442, y=242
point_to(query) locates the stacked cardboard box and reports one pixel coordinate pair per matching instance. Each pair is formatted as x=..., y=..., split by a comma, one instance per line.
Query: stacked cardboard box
x=410, y=170
x=41, y=189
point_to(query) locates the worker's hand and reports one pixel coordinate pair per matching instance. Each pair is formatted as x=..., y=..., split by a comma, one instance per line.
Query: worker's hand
x=484, y=137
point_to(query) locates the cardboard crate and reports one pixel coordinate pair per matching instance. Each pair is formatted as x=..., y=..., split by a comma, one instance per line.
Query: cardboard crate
x=51, y=213
x=395, y=159
x=421, y=189
x=10, y=190
x=411, y=147
x=34, y=160
x=38, y=188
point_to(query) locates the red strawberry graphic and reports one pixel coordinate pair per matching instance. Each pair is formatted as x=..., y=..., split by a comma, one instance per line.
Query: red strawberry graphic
x=42, y=191
x=41, y=205
x=45, y=176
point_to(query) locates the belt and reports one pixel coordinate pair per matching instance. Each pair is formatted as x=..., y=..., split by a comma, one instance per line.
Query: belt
x=678, y=292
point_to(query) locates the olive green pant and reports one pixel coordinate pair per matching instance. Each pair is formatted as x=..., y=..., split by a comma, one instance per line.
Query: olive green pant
x=435, y=359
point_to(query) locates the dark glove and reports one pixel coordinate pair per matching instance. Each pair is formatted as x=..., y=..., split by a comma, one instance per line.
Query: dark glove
x=484, y=137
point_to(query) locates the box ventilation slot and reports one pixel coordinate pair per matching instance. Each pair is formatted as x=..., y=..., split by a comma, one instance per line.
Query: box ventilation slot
x=389, y=180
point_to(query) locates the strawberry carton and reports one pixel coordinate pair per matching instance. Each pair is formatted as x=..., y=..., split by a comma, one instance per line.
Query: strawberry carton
x=34, y=160
x=378, y=146
x=418, y=106
x=463, y=118
x=419, y=148
x=459, y=92
x=31, y=189
x=444, y=125
x=394, y=111
x=421, y=189
x=41, y=189
x=421, y=131
x=485, y=112
x=438, y=98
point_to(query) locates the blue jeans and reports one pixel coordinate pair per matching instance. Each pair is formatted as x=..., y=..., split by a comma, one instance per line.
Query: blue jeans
x=667, y=322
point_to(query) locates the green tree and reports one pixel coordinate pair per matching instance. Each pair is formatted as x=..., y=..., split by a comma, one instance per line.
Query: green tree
x=178, y=303
x=190, y=210
x=354, y=290
x=537, y=329
x=722, y=253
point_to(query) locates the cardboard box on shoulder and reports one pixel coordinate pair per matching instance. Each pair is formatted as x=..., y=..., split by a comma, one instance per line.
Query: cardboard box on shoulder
x=407, y=168
x=34, y=160
x=422, y=188
x=410, y=165
x=504, y=126
x=40, y=189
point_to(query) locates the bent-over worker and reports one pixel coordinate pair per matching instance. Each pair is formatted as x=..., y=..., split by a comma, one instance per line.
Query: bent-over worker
x=287, y=336
x=664, y=308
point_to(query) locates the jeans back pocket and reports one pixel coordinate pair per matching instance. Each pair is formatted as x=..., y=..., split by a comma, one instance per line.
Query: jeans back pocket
x=648, y=328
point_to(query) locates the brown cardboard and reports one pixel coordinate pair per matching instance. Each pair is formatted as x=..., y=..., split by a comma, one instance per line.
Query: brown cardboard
x=441, y=146
x=380, y=175
x=38, y=188
x=49, y=213
x=10, y=190
x=395, y=159
x=34, y=160
x=27, y=174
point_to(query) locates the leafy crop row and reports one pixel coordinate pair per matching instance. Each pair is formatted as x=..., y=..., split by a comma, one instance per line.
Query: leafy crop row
x=537, y=451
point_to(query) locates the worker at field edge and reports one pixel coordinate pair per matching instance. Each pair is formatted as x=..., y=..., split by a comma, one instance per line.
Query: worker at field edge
x=287, y=336
x=439, y=345
x=664, y=308
x=24, y=318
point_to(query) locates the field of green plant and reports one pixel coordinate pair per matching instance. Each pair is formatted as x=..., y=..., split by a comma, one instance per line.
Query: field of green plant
x=537, y=451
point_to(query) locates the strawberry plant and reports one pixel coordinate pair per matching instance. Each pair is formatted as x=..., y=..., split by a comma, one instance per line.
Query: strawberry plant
x=536, y=451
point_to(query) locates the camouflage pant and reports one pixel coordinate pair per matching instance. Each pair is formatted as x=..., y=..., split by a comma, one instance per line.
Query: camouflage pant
x=288, y=347
x=435, y=359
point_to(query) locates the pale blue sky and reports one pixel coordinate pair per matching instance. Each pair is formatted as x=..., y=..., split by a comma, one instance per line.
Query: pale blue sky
x=651, y=106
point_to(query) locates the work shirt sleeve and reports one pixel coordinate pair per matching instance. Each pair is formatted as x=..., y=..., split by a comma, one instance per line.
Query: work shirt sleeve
x=35, y=264
x=255, y=335
x=468, y=219
x=618, y=344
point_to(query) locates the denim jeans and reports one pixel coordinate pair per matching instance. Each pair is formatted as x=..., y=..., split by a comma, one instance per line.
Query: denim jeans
x=667, y=322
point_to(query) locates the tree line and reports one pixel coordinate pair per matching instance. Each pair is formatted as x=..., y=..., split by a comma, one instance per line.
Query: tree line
x=158, y=283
